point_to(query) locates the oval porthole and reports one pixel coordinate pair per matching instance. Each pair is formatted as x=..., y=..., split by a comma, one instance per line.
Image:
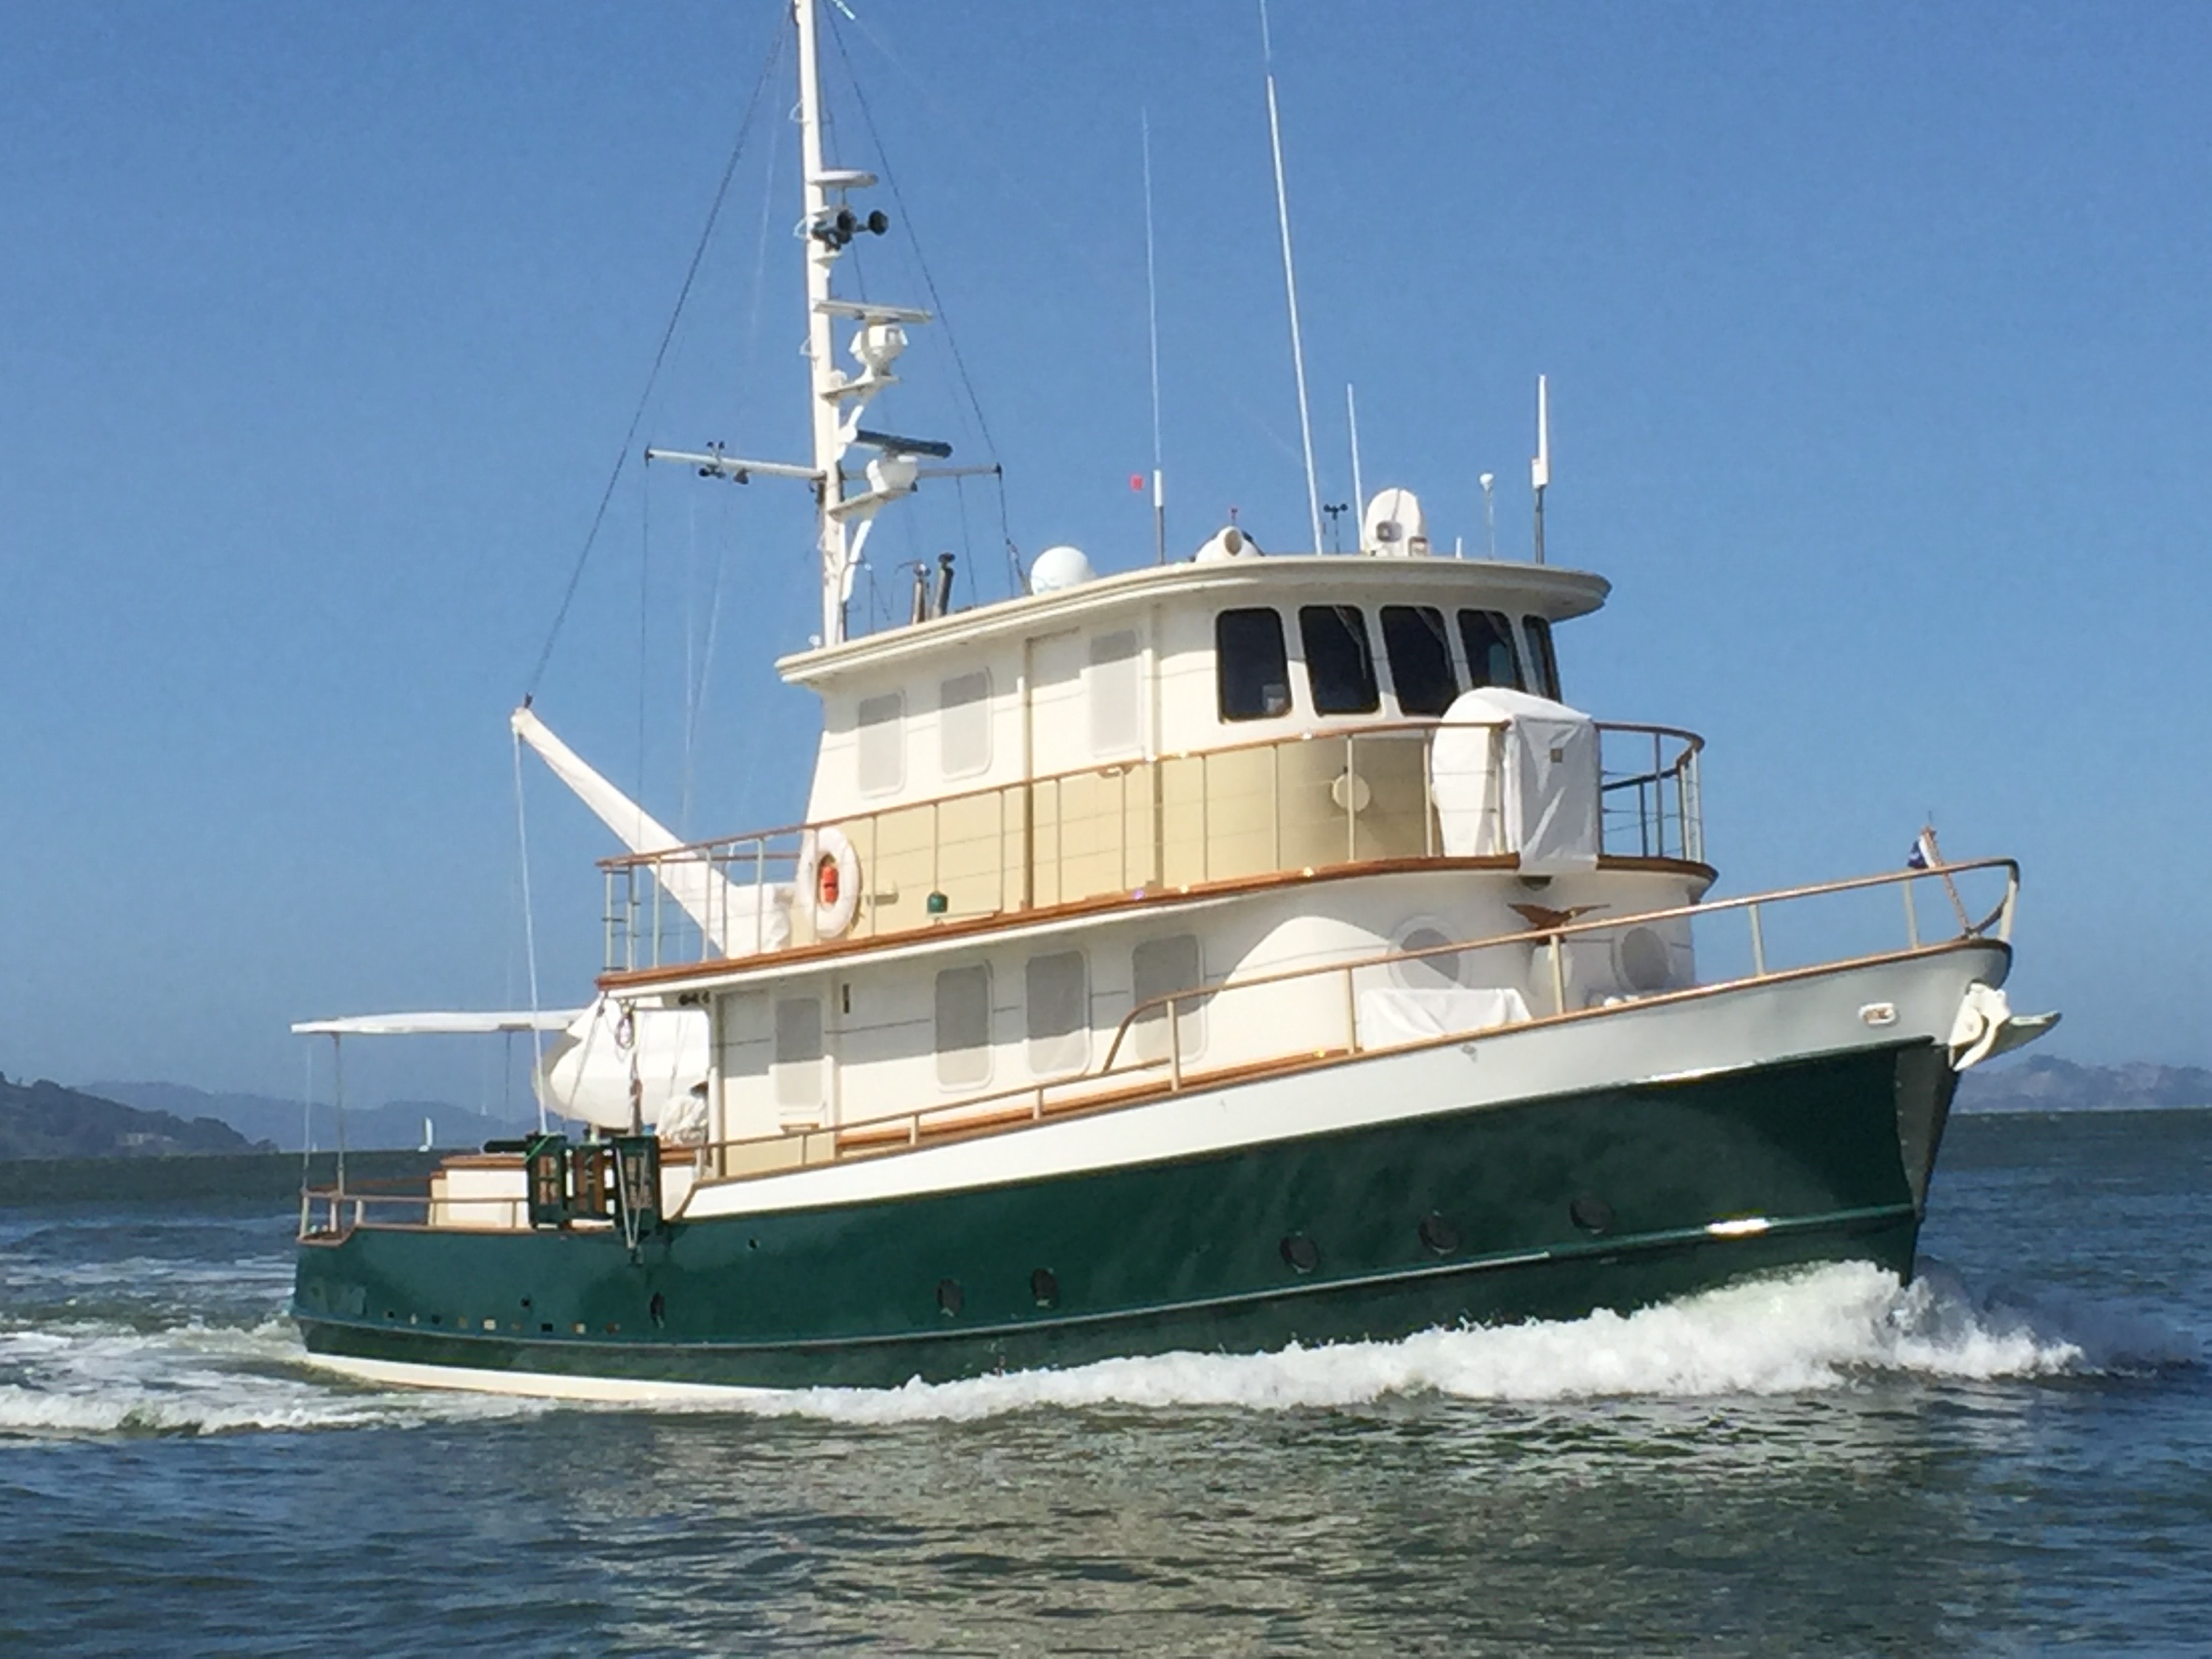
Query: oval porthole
x=1645, y=962
x=1301, y=1253
x=1044, y=1288
x=658, y=1309
x=1591, y=1214
x=1426, y=973
x=949, y=1299
x=1438, y=1234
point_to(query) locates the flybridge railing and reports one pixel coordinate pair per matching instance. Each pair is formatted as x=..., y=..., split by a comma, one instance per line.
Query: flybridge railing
x=1153, y=1050
x=1320, y=800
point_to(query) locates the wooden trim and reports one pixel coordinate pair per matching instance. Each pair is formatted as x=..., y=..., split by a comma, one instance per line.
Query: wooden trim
x=800, y=956
x=901, y=1139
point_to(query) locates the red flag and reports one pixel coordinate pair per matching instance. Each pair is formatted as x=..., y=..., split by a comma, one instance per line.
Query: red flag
x=1136, y=481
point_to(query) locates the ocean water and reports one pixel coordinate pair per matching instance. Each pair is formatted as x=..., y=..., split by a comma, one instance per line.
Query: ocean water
x=2013, y=1454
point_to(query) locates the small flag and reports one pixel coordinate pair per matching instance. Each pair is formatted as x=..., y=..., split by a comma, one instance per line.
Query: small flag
x=1923, y=853
x=1137, y=481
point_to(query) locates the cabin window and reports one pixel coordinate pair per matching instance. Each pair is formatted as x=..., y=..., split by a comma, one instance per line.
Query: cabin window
x=798, y=1052
x=1541, y=660
x=1340, y=662
x=1251, y=668
x=1158, y=968
x=882, y=743
x=1419, y=650
x=963, y=725
x=1059, y=1013
x=1117, y=724
x=963, y=1024
x=1490, y=657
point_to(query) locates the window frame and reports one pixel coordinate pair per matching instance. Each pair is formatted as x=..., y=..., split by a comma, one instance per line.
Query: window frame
x=953, y=696
x=866, y=746
x=1543, y=655
x=1223, y=657
x=1417, y=617
x=1500, y=621
x=1370, y=689
x=953, y=1078
x=1075, y=1039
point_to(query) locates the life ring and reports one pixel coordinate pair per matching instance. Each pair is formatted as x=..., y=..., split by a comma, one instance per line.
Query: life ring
x=831, y=870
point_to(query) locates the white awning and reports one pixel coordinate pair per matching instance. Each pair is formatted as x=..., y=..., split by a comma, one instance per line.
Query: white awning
x=460, y=1024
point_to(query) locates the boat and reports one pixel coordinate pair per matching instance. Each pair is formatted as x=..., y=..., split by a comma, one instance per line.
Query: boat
x=1235, y=950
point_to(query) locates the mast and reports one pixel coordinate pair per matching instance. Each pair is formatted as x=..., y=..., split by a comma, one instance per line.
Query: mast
x=823, y=378
x=837, y=399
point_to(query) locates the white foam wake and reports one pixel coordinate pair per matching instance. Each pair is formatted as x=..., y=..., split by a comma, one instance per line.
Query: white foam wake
x=1821, y=1329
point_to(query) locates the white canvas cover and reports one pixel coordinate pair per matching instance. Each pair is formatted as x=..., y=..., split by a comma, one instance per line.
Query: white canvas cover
x=1389, y=1015
x=587, y=1072
x=1513, y=773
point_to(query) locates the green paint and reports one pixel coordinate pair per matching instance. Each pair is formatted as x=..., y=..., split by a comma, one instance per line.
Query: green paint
x=1189, y=1254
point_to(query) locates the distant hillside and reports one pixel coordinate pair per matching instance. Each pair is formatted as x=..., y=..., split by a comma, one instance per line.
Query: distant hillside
x=2045, y=1083
x=44, y=1120
x=395, y=1124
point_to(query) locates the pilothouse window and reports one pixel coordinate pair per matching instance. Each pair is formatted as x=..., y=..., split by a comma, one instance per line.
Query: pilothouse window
x=1340, y=662
x=1251, y=668
x=1546, y=665
x=1413, y=638
x=1490, y=657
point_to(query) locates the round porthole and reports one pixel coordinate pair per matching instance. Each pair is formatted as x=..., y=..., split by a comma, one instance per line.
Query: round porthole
x=1591, y=1214
x=1645, y=962
x=1426, y=973
x=1044, y=1289
x=1438, y=1234
x=1301, y=1253
x=948, y=1297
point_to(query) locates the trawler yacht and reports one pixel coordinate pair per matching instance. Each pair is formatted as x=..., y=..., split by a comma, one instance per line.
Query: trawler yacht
x=1242, y=950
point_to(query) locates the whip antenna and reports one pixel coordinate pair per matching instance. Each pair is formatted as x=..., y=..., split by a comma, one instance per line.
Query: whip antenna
x=1291, y=281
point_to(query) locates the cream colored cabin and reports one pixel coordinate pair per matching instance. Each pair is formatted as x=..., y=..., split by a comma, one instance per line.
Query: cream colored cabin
x=1056, y=810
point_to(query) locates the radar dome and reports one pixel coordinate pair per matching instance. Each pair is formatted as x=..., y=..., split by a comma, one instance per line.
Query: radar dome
x=1060, y=567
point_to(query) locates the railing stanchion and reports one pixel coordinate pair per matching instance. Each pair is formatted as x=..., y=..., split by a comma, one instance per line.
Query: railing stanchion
x=1428, y=797
x=1350, y=798
x=1175, y=1045
x=1351, y=1012
x=1758, y=943
x=1912, y=916
x=1558, y=975
x=2004, y=910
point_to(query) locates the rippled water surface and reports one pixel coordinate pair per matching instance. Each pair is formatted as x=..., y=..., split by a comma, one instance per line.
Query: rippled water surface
x=2015, y=1453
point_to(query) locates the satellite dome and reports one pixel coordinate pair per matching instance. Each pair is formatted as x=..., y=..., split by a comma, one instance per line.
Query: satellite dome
x=1060, y=567
x=1229, y=543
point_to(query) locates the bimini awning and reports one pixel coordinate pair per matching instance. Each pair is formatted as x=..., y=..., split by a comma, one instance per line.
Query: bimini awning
x=450, y=1025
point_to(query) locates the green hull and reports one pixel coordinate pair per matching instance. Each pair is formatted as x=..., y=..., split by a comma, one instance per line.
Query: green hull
x=1545, y=1209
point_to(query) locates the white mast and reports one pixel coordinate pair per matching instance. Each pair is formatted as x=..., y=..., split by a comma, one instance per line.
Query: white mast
x=822, y=374
x=842, y=521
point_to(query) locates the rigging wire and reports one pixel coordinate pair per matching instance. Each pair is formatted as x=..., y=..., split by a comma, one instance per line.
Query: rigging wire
x=652, y=375
x=928, y=281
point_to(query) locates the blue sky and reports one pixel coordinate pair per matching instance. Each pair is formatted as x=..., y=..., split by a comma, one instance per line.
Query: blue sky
x=1879, y=339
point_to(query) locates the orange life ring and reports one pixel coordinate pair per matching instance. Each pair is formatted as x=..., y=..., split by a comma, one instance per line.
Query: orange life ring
x=834, y=872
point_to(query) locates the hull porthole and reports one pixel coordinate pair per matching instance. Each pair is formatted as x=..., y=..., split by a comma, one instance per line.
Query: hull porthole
x=949, y=1299
x=1301, y=1253
x=1591, y=1214
x=1044, y=1288
x=1438, y=1234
